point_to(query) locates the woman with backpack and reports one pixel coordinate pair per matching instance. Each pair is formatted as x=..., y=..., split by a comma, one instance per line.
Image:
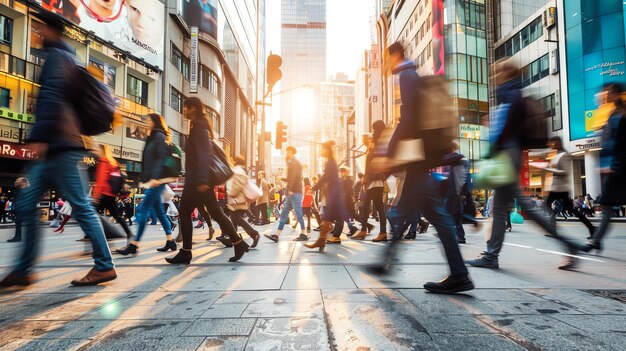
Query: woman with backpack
x=103, y=193
x=237, y=202
x=152, y=178
x=198, y=191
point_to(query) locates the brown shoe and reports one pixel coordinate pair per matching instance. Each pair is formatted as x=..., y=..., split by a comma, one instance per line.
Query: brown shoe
x=16, y=278
x=95, y=277
x=382, y=237
x=360, y=235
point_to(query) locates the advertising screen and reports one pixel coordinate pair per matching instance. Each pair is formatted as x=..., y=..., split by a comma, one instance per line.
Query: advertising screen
x=136, y=26
x=201, y=14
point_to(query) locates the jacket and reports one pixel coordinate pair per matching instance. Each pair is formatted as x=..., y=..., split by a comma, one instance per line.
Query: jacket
x=198, y=153
x=234, y=188
x=56, y=123
x=371, y=176
x=332, y=193
x=507, y=121
x=103, y=174
x=153, y=157
x=560, y=176
x=613, y=153
x=265, y=187
x=294, y=176
x=459, y=169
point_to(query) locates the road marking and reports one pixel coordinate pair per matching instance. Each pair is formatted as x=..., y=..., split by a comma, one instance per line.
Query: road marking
x=556, y=252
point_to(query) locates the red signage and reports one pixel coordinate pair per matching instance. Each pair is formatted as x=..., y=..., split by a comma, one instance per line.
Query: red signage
x=525, y=172
x=18, y=151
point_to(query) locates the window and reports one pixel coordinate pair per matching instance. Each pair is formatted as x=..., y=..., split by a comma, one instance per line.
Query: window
x=176, y=100
x=6, y=30
x=108, y=72
x=180, y=62
x=5, y=98
x=208, y=80
x=137, y=90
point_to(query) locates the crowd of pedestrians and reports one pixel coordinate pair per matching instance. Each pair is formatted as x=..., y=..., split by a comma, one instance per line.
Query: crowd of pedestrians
x=420, y=197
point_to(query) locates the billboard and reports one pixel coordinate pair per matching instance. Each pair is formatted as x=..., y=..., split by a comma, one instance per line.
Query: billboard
x=201, y=14
x=136, y=26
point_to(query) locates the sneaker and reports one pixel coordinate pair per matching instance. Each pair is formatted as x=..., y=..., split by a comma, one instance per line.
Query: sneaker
x=14, y=240
x=484, y=262
x=301, y=237
x=461, y=241
x=272, y=237
x=450, y=285
x=333, y=240
x=569, y=264
x=410, y=236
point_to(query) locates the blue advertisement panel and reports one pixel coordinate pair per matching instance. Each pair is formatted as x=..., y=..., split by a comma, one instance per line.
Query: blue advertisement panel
x=596, y=55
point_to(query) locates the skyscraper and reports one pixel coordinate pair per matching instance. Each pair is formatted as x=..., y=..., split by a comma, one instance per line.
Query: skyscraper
x=303, y=49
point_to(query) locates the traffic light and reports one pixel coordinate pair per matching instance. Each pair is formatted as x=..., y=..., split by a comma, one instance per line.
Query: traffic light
x=281, y=135
x=273, y=70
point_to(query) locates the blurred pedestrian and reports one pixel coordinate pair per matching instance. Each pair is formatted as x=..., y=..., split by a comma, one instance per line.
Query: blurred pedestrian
x=506, y=137
x=19, y=184
x=559, y=187
x=612, y=162
x=152, y=178
x=373, y=186
x=348, y=200
x=420, y=192
x=57, y=139
x=237, y=202
x=293, y=200
x=198, y=192
x=457, y=189
x=332, y=197
x=307, y=203
x=263, y=200
x=103, y=194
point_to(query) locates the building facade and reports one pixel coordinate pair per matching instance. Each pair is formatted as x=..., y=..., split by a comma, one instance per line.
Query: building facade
x=337, y=106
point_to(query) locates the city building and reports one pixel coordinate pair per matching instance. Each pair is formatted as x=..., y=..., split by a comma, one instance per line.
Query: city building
x=336, y=110
x=593, y=53
x=130, y=60
x=447, y=38
x=303, y=50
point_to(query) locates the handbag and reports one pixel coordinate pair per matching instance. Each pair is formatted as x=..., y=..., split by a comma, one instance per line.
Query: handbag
x=251, y=191
x=495, y=172
x=219, y=168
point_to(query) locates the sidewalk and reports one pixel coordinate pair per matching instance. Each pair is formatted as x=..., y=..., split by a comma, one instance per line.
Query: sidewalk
x=285, y=297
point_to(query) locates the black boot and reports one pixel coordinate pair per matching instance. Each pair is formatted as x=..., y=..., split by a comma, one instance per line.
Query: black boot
x=240, y=248
x=182, y=257
x=450, y=285
x=255, y=237
x=169, y=245
x=14, y=239
x=224, y=240
x=131, y=249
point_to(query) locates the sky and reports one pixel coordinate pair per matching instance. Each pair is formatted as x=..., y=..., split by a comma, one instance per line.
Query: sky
x=348, y=33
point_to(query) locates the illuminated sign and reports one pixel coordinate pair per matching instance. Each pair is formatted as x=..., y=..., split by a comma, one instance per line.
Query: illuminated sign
x=16, y=116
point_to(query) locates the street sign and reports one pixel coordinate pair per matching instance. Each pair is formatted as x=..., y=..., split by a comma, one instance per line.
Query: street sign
x=193, y=61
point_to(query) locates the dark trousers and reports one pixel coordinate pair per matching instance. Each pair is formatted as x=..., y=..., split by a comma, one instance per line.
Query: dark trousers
x=108, y=202
x=306, y=212
x=191, y=199
x=237, y=218
x=316, y=214
x=205, y=215
x=567, y=206
x=455, y=208
x=374, y=195
x=264, y=214
x=18, y=226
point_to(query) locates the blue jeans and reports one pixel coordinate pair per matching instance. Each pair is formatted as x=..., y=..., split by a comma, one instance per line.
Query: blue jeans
x=292, y=202
x=151, y=202
x=62, y=172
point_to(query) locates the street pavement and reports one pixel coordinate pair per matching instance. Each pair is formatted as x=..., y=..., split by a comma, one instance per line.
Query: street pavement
x=286, y=297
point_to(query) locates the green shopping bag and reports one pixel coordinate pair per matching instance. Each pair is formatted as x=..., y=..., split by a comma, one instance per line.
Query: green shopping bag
x=516, y=218
x=495, y=172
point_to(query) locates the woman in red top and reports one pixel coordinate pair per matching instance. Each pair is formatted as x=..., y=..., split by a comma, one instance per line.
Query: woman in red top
x=307, y=202
x=102, y=194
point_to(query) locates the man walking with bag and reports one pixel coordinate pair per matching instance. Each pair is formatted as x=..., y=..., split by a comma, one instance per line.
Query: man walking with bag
x=57, y=139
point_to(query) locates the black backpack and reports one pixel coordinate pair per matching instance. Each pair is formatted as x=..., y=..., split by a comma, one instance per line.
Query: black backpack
x=117, y=180
x=92, y=101
x=534, y=129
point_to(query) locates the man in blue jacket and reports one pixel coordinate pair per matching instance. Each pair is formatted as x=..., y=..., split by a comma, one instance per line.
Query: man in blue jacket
x=57, y=140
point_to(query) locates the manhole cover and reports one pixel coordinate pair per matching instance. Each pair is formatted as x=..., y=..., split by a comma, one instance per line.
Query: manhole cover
x=619, y=295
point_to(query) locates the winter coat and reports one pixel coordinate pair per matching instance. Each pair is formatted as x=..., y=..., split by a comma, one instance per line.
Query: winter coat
x=103, y=174
x=613, y=157
x=56, y=123
x=294, y=176
x=154, y=154
x=198, y=153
